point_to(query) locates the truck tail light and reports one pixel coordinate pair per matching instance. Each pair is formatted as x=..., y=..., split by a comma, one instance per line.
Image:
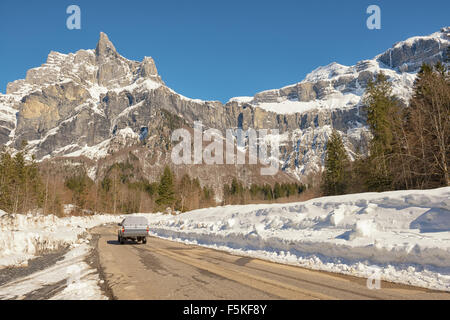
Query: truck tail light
x=123, y=229
x=148, y=229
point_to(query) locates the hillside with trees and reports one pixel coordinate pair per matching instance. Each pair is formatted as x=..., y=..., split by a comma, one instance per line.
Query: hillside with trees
x=410, y=148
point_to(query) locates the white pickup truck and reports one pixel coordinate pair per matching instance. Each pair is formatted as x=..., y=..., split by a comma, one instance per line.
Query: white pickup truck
x=133, y=228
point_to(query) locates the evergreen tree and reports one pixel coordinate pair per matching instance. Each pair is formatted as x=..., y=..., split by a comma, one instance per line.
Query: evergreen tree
x=166, y=189
x=7, y=184
x=336, y=160
x=382, y=116
x=235, y=187
x=35, y=187
x=20, y=184
x=19, y=181
x=185, y=188
x=255, y=191
x=268, y=192
x=277, y=191
x=79, y=185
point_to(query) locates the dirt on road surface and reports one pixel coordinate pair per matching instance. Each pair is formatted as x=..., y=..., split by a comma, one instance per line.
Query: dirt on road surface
x=163, y=269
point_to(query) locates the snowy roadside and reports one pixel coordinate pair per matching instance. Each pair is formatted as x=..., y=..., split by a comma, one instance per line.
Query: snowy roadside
x=402, y=236
x=69, y=279
x=24, y=237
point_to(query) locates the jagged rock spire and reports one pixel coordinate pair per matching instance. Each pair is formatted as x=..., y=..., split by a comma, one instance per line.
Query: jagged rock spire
x=148, y=67
x=104, y=46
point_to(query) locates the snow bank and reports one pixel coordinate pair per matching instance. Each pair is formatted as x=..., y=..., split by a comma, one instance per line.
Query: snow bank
x=23, y=237
x=403, y=234
x=72, y=278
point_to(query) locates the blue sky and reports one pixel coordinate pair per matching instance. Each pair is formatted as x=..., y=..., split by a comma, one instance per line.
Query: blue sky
x=213, y=49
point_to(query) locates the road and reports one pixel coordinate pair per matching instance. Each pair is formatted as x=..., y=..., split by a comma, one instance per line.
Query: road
x=167, y=270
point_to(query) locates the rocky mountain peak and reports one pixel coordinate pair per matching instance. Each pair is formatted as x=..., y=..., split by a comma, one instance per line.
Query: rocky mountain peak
x=410, y=54
x=104, y=46
x=148, y=67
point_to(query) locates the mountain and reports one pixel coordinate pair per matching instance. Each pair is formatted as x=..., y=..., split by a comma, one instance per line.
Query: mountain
x=94, y=104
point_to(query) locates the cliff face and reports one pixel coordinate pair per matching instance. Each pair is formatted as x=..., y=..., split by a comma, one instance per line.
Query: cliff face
x=96, y=103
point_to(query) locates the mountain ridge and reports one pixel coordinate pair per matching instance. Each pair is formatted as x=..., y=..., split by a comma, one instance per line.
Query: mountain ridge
x=95, y=102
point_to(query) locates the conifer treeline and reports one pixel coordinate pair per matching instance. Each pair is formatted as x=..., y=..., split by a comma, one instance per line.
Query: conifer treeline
x=236, y=193
x=410, y=148
x=120, y=192
x=20, y=184
x=25, y=187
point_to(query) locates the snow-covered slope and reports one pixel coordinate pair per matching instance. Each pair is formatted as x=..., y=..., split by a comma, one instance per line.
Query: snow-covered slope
x=336, y=93
x=338, y=86
x=402, y=235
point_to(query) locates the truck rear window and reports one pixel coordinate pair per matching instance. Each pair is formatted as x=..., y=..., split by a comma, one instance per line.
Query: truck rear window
x=134, y=221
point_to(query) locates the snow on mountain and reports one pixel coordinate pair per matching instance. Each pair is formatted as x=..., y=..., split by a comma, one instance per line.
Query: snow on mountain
x=7, y=114
x=408, y=55
x=441, y=37
x=403, y=235
x=8, y=120
x=335, y=91
x=241, y=99
x=80, y=103
x=331, y=97
x=335, y=100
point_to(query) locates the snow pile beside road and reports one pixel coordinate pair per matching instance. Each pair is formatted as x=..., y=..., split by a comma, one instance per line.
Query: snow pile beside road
x=69, y=279
x=23, y=237
x=403, y=235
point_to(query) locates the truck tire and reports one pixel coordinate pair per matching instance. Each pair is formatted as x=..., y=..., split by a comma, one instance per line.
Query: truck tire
x=144, y=240
x=121, y=240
